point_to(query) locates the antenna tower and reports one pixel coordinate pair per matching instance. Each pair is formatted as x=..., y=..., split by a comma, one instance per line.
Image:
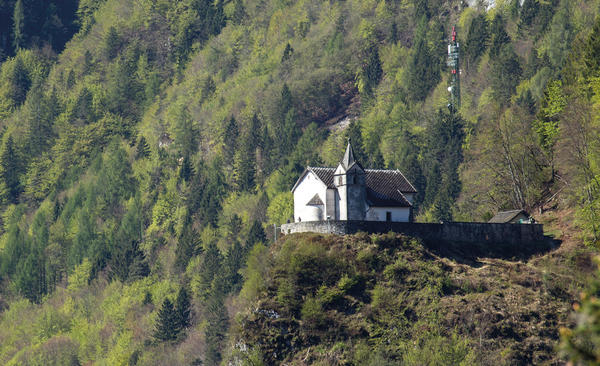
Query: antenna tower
x=454, y=63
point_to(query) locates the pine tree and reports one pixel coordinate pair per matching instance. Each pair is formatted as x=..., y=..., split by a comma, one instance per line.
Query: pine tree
x=217, y=19
x=186, y=133
x=410, y=166
x=217, y=322
x=423, y=71
x=233, y=262
x=506, y=74
x=188, y=245
x=477, y=38
x=255, y=235
x=208, y=89
x=239, y=12
x=230, y=139
x=244, y=162
x=30, y=277
x=39, y=112
x=498, y=34
x=19, y=25
x=371, y=72
x=112, y=43
x=212, y=265
x=186, y=171
x=10, y=171
x=13, y=251
x=166, y=328
x=19, y=82
x=441, y=163
x=142, y=150
x=183, y=309
x=287, y=53
x=529, y=10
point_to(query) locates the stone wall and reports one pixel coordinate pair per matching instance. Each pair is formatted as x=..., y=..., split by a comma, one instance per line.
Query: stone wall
x=468, y=232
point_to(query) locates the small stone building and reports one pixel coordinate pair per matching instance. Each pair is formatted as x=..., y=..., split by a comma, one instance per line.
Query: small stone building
x=350, y=192
x=512, y=217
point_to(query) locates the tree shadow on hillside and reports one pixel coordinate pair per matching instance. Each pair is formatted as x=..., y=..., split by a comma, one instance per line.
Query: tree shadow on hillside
x=469, y=253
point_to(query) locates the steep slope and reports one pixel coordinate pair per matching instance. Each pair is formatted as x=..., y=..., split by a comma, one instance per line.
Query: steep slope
x=388, y=299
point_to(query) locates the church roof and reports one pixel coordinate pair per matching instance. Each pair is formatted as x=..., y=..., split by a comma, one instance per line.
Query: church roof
x=385, y=188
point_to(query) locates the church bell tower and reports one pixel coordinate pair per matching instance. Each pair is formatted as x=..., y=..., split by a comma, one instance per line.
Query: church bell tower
x=349, y=179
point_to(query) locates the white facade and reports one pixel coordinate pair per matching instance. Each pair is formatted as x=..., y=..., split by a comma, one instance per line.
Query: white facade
x=308, y=187
x=397, y=214
x=350, y=192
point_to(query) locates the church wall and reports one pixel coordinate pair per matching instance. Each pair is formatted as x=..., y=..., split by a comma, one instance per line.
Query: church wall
x=330, y=204
x=466, y=232
x=304, y=192
x=343, y=202
x=399, y=214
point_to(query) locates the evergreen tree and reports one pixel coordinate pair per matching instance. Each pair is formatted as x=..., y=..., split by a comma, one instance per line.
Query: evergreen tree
x=40, y=113
x=10, y=171
x=30, y=277
x=112, y=43
x=287, y=53
x=506, y=74
x=186, y=171
x=230, y=139
x=233, y=262
x=441, y=163
x=255, y=235
x=477, y=38
x=186, y=133
x=284, y=126
x=115, y=182
x=529, y=10
x=244, y=162
x=498, y=34
x=423, y=72
x=142, y=149
x=207, y=190
x=188, y=245
x=217, y=322
x=218, y=19
x=239, y=12
x=166, y=327
x=212, y=265
x=410, y=166
x=19, y=25
x=208, y=89
x=371, y=73
x=591, y=51
x=127, y=261
x=19, y=82
x=183, y=310
x=13, y=251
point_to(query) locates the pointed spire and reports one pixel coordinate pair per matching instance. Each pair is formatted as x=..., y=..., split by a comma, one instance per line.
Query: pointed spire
x=348, y=156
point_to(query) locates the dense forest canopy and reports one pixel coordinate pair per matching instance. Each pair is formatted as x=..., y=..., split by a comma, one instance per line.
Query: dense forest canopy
x=148, y=147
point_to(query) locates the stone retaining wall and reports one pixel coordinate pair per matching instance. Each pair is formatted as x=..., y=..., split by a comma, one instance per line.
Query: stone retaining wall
x=469, y=232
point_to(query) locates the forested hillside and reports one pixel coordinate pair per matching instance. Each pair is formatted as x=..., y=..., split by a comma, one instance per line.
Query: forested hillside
x=148, y=147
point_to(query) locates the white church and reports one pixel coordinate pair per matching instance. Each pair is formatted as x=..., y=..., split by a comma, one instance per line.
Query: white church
x=350, y=192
